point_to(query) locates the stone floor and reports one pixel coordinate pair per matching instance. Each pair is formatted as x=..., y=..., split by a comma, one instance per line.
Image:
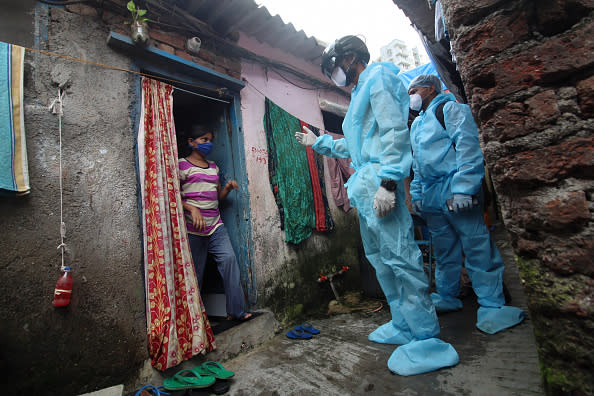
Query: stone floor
x=341, y=361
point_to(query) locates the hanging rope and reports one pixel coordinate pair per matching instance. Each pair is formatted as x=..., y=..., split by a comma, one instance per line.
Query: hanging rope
x=56, y=108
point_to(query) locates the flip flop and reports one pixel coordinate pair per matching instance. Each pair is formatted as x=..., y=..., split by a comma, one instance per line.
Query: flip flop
x=308, y=327
x=298, y=334
x=154, y=390
x=192, y=381
x=220, y=387
x=214, y=369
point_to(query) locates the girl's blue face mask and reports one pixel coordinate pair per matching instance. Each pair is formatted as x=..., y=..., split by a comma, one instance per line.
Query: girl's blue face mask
x=203, y=148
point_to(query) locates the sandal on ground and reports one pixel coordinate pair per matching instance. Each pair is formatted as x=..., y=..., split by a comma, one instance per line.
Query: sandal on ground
x=220, y=387
x=214, y=369
x=191, y=381
x=151, y=390
x=244, y=318
x=297, y=334
x=308, y=327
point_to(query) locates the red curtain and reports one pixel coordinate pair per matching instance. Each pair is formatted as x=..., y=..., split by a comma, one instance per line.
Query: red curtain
x=177, y=325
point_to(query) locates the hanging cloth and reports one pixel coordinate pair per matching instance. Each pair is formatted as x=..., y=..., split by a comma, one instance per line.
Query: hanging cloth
x=14, y=173
x=439, y=53
x=441, y=30
x=177, y=325
x=340, y=171
x=296, y=177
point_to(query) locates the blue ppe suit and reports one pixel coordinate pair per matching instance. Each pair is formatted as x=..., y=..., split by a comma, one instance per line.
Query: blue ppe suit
x=377, y=140
x=446, y=162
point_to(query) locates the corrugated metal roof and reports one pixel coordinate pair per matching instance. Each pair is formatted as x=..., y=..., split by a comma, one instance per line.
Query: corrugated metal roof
x=227, y=16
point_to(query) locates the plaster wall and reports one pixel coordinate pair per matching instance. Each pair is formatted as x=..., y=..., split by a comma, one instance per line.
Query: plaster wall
x=272, y=255
x=19, y=28
x=99, y=339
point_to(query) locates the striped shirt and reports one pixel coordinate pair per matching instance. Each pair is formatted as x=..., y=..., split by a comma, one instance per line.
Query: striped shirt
x=199, y=189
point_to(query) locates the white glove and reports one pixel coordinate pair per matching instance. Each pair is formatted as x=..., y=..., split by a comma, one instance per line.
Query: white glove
x=462, y=202
x=384, y=201
x=307, y=139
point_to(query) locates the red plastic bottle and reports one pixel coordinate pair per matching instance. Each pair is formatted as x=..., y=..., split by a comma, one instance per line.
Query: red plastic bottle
x=63, y=289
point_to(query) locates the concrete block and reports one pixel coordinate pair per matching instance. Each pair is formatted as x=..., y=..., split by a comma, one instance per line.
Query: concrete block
x=117, y=390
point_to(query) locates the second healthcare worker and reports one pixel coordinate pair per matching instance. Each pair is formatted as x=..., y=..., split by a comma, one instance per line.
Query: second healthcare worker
x=446, y=190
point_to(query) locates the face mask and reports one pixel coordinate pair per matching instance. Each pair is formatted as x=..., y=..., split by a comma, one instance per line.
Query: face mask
x=416, y=102
x=339, y=77
x=204, y=148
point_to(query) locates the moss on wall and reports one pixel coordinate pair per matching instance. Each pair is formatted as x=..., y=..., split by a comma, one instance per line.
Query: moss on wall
x=295, y=291
x=563, y=327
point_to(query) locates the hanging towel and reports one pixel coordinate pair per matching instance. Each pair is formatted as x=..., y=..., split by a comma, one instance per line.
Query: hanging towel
x=14, y=174
x=296, y=177
x=339, y=170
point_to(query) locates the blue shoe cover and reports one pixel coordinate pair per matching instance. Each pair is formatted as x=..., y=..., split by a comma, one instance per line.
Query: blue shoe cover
x=422, y=356
x=389, y=334
x=493, y=320
x=445, y=304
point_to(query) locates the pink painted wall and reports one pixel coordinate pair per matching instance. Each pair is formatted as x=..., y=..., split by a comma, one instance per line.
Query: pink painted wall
x=270, y=249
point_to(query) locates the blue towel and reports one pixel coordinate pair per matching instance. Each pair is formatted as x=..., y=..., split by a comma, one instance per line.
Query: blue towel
x=14, y=174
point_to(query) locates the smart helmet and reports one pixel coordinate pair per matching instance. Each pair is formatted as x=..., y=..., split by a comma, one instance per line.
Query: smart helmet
x=342, y=47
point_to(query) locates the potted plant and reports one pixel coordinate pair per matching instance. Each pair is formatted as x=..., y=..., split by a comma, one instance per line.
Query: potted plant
x=138, y=25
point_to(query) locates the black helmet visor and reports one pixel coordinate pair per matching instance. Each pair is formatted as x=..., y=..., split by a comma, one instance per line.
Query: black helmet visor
x=329, y=60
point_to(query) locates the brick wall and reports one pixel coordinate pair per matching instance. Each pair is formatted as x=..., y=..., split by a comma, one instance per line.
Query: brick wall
x=172, y=41
x=527, y=67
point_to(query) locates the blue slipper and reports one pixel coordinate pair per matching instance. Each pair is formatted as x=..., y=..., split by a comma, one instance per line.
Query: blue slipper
x=155, y=390
x=308, y=328
x=298, y=334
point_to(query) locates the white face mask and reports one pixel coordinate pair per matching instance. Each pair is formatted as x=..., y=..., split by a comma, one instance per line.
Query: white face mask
x=338, y=77
x=416, y=102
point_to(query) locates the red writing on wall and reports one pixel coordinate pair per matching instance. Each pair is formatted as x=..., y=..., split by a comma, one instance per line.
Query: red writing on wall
x=260, y=154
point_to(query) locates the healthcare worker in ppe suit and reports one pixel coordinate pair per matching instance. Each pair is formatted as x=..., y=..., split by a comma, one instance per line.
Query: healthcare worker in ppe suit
x=376, y=138
x=446, y=191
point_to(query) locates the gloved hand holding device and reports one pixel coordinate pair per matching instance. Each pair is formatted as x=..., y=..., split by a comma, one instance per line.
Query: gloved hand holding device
x=460, y=203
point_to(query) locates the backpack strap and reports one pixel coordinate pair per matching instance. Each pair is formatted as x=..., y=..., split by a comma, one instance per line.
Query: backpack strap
x=439, y=114
x=441, y=118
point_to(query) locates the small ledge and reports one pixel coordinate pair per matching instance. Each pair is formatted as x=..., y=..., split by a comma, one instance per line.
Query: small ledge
x=154, y=55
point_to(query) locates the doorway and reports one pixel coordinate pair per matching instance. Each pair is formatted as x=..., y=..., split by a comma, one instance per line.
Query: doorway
x=217, y=115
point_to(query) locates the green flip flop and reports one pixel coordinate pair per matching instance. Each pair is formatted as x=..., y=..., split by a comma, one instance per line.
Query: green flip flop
x=214, y=369
x=192, y=381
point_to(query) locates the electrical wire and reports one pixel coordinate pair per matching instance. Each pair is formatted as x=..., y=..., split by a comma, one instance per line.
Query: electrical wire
x=249, y=84
x=63, y=3
x=292, y=83
x=190, y=24
x=110, y=67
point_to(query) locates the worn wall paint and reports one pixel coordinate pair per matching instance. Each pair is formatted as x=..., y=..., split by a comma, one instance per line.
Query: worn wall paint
x=271, y=253
x=100, y=338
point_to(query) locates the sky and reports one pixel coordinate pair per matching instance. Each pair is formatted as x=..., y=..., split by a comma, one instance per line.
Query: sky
x=377, y=21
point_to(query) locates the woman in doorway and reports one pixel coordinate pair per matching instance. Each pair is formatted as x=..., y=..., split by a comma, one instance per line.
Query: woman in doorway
x=201, y=192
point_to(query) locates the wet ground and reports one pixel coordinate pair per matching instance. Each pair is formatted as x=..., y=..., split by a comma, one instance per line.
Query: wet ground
x=341, y=361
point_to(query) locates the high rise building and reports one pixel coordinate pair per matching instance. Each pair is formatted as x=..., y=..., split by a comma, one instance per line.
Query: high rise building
x=398, y=51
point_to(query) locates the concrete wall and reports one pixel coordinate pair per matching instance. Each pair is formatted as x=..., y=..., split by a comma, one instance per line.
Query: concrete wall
x=18, y=25
x=527, y=67
x=286, y=273
x=99, y=340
